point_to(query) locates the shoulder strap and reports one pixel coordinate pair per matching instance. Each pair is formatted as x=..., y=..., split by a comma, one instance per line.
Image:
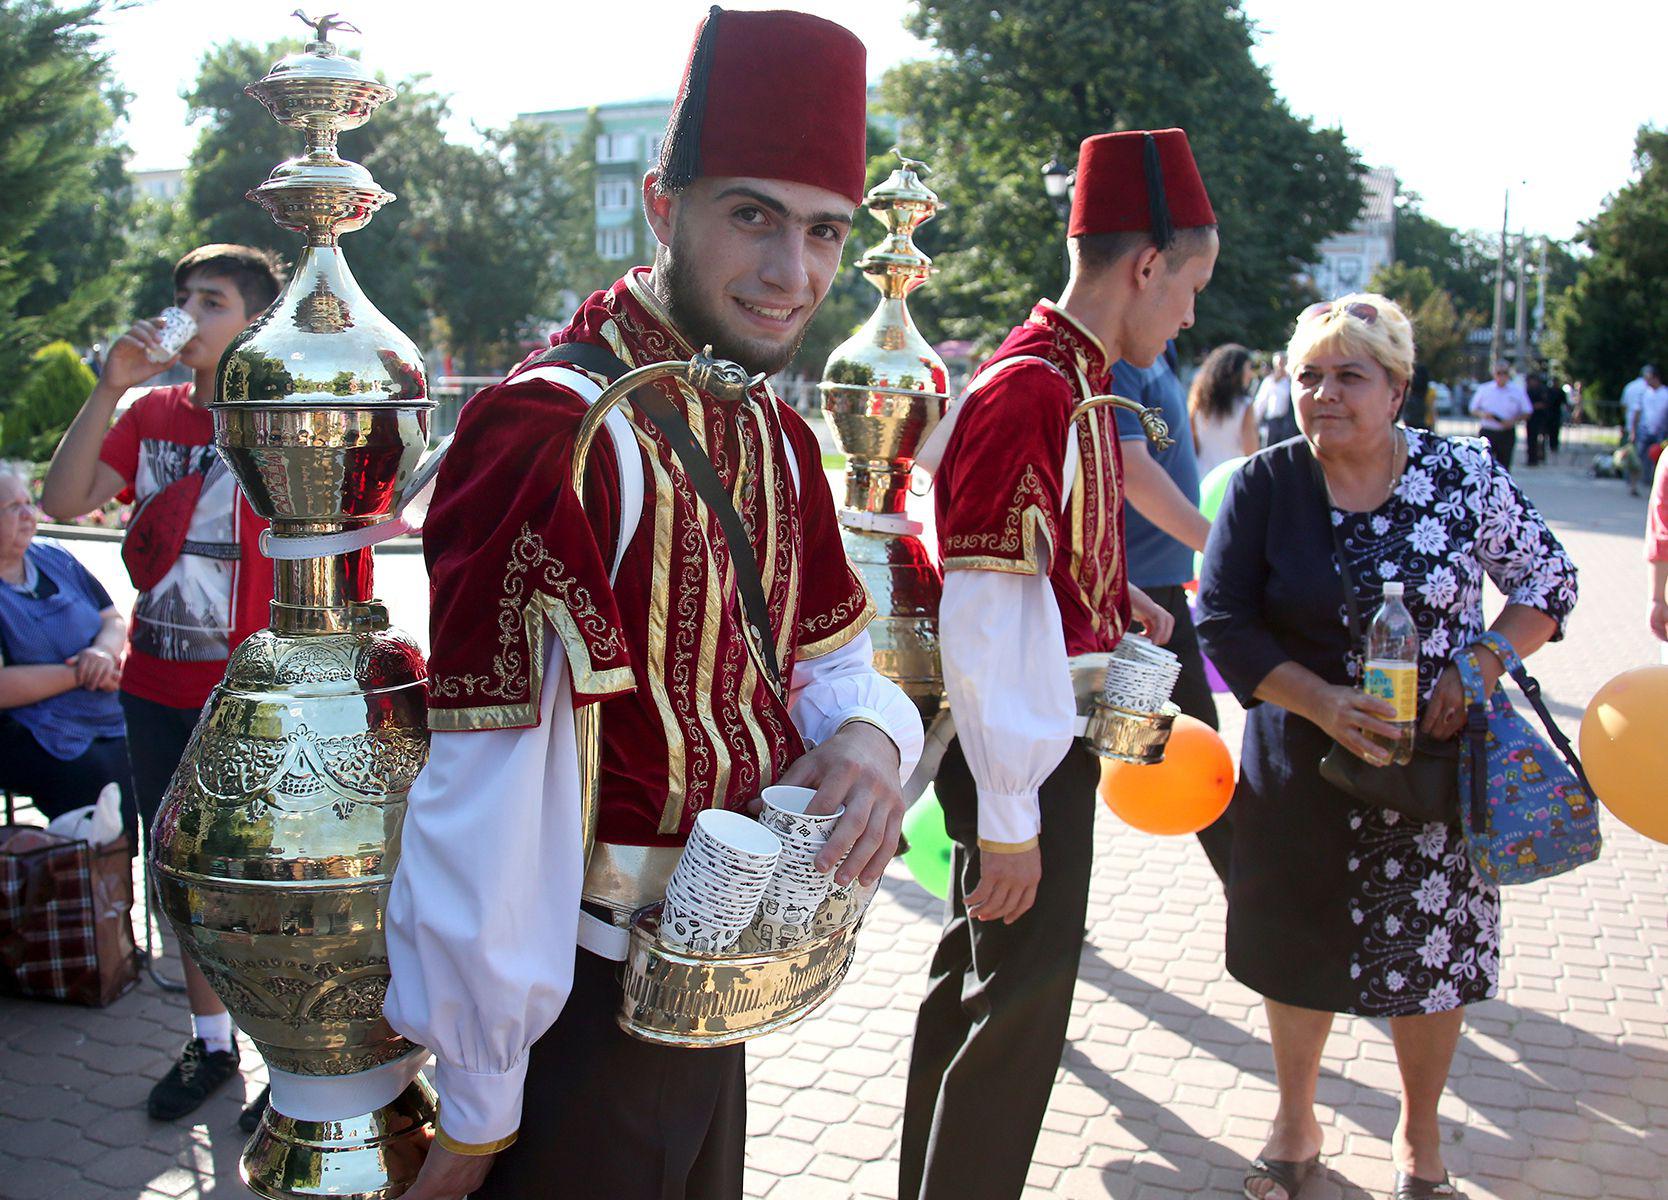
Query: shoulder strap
x=1356, y=633
x=601, y=361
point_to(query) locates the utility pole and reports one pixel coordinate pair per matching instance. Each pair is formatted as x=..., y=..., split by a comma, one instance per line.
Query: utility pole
x=1497, y=343
x=1540, y=297
x=1520, y=327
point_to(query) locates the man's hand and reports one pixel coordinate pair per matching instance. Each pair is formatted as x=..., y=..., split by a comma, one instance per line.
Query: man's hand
x=1156, y=621
x=857, y=768
x=128, y=364
x=1007, y=885
x=448, y=1175
x=1659, y=620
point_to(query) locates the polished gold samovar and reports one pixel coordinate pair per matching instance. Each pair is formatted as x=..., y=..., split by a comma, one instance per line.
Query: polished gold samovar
x=883, y=391
x=279, y=835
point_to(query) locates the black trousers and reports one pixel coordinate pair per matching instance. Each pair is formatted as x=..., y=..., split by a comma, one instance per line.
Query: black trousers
x=1540, y=425
x=55, y=785
x=1502, y=442
x=157, y=735
x=1193, y=696
x=611, y=1117
x=993, y=1024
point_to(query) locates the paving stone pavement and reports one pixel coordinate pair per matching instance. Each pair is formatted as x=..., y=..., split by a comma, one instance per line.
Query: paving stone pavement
x=1560, y=1087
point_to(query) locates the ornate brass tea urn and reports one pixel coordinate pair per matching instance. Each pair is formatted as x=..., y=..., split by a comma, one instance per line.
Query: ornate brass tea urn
x=280, y=832
x=883, y=391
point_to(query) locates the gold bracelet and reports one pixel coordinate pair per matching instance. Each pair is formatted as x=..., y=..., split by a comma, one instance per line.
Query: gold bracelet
x=472, y=1149
x=1007, y=847
x=870, y=721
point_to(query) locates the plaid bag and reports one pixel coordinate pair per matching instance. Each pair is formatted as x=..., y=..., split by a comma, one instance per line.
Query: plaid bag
x=1527, y=815
x=65, y=930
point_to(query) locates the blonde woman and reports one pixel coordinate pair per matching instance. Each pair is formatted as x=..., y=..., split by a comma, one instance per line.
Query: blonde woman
x=1332, y=907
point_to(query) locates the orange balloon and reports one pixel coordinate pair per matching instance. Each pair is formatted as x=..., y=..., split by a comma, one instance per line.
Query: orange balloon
x=1625, y=752
x=1182, y=794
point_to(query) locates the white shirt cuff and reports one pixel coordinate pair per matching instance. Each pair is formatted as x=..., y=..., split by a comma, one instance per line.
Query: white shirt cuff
x=1010, y=820
x=480, y=1108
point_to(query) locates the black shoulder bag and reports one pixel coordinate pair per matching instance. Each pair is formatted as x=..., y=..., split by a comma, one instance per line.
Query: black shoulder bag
x=1427, y=788
x=599, y=360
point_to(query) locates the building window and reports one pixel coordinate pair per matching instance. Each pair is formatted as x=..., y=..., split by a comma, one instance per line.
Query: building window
x=616, y=243
x=617, y=148
x=613, y=195
x=652, y=155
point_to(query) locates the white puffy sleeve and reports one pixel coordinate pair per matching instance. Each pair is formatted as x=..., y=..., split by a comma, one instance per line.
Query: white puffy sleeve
x=1010, y=690
x=483, y=911
x=843, y=685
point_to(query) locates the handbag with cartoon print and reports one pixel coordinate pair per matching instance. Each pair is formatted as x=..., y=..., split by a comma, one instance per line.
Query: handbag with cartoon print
x=1526, y=814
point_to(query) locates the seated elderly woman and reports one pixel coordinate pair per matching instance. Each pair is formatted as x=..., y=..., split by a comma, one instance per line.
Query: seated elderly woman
x=1334, y=907
x=61, y=733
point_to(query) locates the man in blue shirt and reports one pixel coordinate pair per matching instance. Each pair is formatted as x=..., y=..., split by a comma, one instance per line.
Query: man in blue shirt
x=1162, y=528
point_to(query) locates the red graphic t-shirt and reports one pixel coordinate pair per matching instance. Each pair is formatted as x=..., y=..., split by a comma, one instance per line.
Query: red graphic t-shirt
x=217, y=592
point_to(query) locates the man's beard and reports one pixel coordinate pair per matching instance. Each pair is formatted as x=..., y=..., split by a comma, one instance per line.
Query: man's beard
x=702, y=327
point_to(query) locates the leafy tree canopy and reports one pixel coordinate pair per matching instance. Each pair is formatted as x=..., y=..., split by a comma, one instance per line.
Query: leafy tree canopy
x=1612, y=319
x=1029, y=79
x=63, y=190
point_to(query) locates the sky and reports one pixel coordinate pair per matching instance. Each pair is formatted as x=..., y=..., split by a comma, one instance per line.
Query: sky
x=1464, y=99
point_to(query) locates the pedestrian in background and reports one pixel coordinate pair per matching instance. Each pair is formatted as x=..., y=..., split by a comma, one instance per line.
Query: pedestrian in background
x=1500, y=406
x=1219, y=408
x=1275, y=419
x=1540, y=415
x=1633, y=403
x=195, y=557
x=1162, y=528
x=1334, y=907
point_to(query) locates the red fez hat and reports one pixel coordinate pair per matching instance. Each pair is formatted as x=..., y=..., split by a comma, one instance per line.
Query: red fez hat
x=771, y=95
x=1139, y=180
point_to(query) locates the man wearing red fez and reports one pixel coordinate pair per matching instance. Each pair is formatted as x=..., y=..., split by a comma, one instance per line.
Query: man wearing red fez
x=1029, y=506
x=504, y=946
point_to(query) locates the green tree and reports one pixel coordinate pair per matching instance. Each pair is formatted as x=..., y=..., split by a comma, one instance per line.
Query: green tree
x=53, y=391
x=516, y=228
x=62, y=186
x=1439, y=329
x=1612, y=318
x=1019, y=82
x=1460, y=263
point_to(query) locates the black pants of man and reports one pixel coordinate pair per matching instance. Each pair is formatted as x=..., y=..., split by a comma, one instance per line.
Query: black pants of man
x=157, y=735
x=1540, y=422
x=58, y=785
x=992, y=1027
x=611, y=1117
x=1502, y=442
x=1192, y=695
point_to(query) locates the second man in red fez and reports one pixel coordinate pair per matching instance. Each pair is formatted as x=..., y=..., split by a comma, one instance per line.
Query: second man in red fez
x=1029, y=506
x=504, y=946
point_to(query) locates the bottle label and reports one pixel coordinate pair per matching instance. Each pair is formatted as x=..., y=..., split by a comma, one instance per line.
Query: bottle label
x=1396, y=683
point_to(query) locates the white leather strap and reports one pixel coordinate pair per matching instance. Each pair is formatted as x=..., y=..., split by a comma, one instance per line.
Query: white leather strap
x=602, y=938
x=626, y=454
x=931, y=453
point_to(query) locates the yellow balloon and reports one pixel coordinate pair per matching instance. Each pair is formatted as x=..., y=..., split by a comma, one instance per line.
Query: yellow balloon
x=1624, y=747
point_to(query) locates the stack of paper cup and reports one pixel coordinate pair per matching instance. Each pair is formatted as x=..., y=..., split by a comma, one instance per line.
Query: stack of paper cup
x=796, y=890
x=715, y=890
x=178, y=328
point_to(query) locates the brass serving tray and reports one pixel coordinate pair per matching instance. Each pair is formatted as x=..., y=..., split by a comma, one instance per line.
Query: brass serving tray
x=676, y=998
x=1129, y=736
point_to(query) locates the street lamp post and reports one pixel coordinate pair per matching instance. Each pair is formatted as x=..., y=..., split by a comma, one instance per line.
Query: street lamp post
x=1059, y=181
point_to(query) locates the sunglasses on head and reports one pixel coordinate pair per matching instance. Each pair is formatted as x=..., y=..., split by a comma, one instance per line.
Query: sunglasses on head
x=1359, y=309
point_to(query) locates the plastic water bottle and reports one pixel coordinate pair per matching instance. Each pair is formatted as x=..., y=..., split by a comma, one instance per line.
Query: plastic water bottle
x=1392, y=669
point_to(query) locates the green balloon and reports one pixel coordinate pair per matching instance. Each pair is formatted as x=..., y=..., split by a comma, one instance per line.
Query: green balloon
x=1211, y=490
x=928, y=856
